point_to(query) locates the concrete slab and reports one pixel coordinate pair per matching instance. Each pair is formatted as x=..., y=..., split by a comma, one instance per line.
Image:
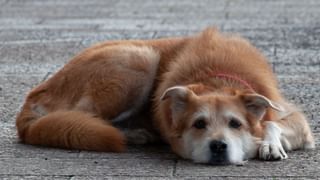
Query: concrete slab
x=12, y=93
x=94, y=167
x=13, y=177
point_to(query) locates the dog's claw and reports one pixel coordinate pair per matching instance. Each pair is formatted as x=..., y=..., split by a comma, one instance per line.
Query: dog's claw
x=272, y=152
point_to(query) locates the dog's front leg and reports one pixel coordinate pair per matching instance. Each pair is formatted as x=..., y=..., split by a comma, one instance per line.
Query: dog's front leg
x=271, y=147
x=289, y=133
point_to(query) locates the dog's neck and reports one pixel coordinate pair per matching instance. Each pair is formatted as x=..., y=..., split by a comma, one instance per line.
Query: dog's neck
x=231, y=77
x=234, y=78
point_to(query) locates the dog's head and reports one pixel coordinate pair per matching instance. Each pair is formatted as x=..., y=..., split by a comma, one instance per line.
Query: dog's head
x=216, y=127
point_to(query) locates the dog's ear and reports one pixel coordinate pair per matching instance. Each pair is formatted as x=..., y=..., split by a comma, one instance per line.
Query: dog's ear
x=179, y=97
x=257, y=104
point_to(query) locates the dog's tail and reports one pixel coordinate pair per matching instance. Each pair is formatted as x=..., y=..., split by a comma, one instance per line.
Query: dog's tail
x=68, y=129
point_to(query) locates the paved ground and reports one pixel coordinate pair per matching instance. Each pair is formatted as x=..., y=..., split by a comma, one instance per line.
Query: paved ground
x=37, y=37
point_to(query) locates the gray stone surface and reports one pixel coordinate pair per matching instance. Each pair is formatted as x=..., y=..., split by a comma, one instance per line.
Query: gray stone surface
x=37, y=37
x=65, y=166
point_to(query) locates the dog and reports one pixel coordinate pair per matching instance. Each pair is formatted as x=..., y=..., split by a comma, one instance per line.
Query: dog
x=212, y=97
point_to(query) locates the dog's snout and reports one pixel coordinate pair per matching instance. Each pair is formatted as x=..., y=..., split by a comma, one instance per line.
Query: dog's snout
x=218, y=146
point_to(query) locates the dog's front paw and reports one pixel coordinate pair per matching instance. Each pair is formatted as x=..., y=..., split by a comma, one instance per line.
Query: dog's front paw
x=271, y=148
x=272, y=152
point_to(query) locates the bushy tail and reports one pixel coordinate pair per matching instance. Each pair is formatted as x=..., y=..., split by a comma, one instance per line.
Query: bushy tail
x=69, y=129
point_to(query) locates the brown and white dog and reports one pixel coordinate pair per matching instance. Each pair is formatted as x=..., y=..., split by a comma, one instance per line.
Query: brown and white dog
x=212, y=97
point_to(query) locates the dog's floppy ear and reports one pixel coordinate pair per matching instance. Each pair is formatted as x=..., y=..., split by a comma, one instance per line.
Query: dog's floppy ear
x=257, y=104
x=179, y=96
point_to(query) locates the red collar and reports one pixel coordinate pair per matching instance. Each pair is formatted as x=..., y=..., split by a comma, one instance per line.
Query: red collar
x=232, y=77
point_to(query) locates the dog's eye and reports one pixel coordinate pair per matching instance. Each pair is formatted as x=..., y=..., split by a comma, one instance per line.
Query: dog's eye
x=234, y=123
x=200, y=123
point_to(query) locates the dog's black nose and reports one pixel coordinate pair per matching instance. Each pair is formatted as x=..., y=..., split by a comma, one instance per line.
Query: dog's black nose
x=218, y=152
x=218, y=146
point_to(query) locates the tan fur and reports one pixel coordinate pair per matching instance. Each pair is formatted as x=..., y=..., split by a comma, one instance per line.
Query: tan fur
x=69, y=109
x=75, y=108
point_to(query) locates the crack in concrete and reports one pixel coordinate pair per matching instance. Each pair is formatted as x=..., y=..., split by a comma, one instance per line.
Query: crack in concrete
x=174, y=171
x=225, y=8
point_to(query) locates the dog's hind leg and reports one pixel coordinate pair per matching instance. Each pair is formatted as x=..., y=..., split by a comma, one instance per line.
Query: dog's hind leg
x=139, y=136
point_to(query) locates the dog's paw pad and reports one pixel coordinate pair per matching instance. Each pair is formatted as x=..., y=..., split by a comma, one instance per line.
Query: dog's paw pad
x=272, y=152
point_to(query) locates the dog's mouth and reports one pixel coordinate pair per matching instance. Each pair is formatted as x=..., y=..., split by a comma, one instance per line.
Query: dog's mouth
x=222, y=159
x=219, y=159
